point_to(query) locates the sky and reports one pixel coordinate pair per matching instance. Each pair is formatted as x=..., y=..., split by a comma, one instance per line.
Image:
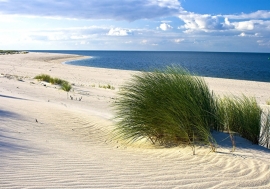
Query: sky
x=154, y=25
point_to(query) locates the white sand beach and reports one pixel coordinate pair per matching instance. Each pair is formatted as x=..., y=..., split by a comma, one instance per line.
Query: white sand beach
x=48, y=140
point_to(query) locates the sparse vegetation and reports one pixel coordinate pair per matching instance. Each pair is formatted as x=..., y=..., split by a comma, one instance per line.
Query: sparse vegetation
x=66, y=86
x=108, y=86
x=173, y=107
x=12, y=52
x=47, y=78
x=44, y=77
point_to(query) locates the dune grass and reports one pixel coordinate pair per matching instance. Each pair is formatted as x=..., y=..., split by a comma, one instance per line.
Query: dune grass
x=265, y=129
x=241, y=115
x=108, y=86
x=172, y=107
x=167, y=107
x=65, y=86
x=43, y=77
x=56, y=81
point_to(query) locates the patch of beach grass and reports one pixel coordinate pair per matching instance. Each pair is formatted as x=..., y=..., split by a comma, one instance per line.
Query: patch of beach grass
x=241, y=115
x=108, y=86
x=44, y=77
x=168, y=107
x=56, y=81
x=265, y=129
x=66, y=86
x=172, y=107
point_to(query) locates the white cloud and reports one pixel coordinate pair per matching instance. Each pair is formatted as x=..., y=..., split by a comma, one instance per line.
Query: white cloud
x=204, y=22
x=174, y=4
x=246, y=25
x=144, y=41
x=6, y=18
x=178, y=40
x=94, y=9
x=218, y=23
x=242, y=34
x=79, y=37
x=165, y=26
x=119, y=32
x=84, y=43
x=264, y=42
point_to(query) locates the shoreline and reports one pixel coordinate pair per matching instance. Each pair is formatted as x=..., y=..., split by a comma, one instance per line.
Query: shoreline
x=95, y=77
x=45, y=134
x=223, y=87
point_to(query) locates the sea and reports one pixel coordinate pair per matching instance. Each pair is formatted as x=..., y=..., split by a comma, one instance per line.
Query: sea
x=232, y=65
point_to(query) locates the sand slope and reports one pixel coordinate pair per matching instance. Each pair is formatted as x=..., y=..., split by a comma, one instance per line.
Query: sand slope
x=48, y=140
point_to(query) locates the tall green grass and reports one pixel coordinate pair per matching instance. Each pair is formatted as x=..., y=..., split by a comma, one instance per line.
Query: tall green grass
x=172, y=107
x=241, y=115
x=44, y=77
x=167, y=107
x=65, y=86
x=56, y=81
x=265, y=129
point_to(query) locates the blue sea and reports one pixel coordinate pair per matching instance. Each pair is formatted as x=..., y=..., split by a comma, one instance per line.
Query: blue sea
x=244, y=66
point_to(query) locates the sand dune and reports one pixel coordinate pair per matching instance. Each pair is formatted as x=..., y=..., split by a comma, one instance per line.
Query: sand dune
x=48, y=140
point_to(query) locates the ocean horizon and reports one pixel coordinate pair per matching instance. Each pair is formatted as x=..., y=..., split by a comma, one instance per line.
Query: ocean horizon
x=251, y=66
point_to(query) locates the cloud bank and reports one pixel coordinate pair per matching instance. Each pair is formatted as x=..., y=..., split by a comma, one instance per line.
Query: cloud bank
x=255, y=22
x=128, y=24
x=94, y=9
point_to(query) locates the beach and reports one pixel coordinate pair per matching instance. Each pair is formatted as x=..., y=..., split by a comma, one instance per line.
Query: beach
x=50, y=138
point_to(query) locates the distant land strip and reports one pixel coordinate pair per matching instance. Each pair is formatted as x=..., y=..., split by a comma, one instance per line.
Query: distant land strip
x=5, y=52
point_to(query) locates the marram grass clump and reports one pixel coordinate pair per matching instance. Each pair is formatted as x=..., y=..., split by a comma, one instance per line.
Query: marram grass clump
x=173, y=107
x=241, y=115
x=169, y=107
x=65, y=86
x=56, y=81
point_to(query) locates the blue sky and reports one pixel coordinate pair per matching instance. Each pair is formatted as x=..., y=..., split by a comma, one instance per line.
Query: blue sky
x=176, y=25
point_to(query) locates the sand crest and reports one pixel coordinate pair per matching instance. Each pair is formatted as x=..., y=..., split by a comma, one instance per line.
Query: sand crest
x=48, y=140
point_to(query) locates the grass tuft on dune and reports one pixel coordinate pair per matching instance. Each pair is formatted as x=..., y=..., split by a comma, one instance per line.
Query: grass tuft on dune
x=56, y=81
x=167, y=107
x=172, y=107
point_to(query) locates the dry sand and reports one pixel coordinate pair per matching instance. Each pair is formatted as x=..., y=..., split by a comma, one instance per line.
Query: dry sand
x=48, y=140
